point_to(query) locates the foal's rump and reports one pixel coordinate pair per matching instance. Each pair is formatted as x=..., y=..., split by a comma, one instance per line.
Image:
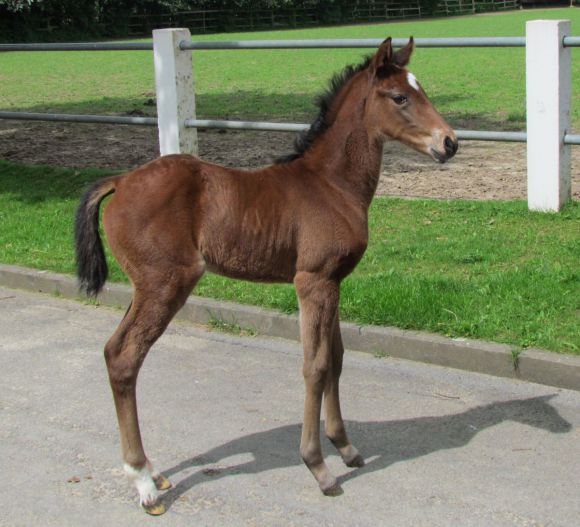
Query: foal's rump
x=149, y=214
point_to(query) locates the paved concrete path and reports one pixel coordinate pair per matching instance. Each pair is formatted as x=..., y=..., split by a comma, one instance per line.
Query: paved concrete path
x=221, y=417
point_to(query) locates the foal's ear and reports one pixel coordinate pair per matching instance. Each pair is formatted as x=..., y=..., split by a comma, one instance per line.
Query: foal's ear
x=403, y=56
x=383, y=57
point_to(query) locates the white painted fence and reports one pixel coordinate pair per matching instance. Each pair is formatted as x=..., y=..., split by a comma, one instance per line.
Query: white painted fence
x=548, y=87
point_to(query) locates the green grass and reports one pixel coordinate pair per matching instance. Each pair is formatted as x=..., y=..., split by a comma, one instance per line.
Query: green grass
x=482, y=88
x=486, y=270
x=219, y=324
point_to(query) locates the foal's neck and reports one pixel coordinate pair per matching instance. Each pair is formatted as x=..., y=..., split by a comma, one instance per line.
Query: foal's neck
x=359, y=163
x=348, y=151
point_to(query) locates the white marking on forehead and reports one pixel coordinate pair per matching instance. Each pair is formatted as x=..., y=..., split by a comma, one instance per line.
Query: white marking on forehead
x=412, y=80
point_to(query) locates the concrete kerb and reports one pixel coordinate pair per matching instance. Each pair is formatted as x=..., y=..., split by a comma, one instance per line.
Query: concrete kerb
x=472, y=355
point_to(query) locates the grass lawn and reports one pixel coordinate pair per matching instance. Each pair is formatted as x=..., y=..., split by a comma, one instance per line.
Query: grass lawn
x=487, y=270
x=477, y=88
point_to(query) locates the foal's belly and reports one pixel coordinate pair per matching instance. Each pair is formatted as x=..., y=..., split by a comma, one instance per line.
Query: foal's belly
x=252, y=263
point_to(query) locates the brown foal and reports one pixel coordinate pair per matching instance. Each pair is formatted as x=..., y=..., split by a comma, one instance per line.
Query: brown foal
x=302, y=220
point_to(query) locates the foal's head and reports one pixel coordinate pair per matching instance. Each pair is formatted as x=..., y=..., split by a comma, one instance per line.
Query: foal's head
x=397, y=106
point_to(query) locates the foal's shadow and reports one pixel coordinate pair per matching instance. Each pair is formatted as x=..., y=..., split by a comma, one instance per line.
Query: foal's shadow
x=384, y=443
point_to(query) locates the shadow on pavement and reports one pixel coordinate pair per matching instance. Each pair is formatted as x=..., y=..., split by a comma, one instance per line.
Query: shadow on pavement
x=385, y=443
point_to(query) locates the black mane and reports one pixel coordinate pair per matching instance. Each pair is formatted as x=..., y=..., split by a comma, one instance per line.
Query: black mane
x=324, y=102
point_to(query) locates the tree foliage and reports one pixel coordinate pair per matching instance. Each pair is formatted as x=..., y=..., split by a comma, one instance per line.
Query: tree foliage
x=36, y=20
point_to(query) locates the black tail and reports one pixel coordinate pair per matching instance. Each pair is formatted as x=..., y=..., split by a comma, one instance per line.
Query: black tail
x=92, y=268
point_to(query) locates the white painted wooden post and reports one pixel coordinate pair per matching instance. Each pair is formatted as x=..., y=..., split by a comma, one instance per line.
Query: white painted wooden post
x=175, y=92
x=548, y=93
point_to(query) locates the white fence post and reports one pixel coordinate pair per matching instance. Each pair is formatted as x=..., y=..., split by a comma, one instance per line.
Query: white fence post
x=175, y=96
x=548, y=93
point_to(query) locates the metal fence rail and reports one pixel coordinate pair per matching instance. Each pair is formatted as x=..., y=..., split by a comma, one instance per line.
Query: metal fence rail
x=79, y=46
x=263, y=126
x=473, y=42
x=474, y=135
x=75, y=118
x=466, y=42
x=469, y=135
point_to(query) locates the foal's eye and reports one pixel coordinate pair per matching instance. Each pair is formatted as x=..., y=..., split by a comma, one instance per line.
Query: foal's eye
x=400, y=99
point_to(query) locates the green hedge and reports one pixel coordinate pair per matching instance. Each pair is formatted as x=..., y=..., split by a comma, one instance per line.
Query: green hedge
x=62, y=20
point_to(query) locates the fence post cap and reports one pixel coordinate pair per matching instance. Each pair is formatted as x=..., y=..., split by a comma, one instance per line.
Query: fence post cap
x=170, y=29
x=546, y=22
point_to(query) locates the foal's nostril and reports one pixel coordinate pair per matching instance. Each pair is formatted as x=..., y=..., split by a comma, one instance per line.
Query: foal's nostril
x=450, y=146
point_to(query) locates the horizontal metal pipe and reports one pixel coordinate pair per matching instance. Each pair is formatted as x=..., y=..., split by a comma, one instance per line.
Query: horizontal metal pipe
x=570, y=139
x=74, y=118
x=474, y=135
x=477, y=135
x=468, y=42
x=470, y=135
x=570, y=42
x=280, y=44
x=80, y=46
x=246, y=125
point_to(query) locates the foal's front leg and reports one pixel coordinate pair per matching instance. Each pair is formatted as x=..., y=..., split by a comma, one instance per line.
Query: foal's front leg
x=318, y=298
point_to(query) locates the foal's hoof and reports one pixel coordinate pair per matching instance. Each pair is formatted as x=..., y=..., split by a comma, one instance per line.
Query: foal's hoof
x=157, y=509
x=332, y=490
x=162, y=483
x=356, y=462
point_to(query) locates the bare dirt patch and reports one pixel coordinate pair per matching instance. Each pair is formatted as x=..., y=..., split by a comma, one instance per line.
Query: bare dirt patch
x=479, y=171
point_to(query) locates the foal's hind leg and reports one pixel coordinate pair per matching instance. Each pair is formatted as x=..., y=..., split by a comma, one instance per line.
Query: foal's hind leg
x=155, y=300
x=334, y=423
x=318, y=298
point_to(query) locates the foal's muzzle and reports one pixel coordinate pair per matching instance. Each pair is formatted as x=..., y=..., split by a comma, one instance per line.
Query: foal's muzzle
x=450, y=147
